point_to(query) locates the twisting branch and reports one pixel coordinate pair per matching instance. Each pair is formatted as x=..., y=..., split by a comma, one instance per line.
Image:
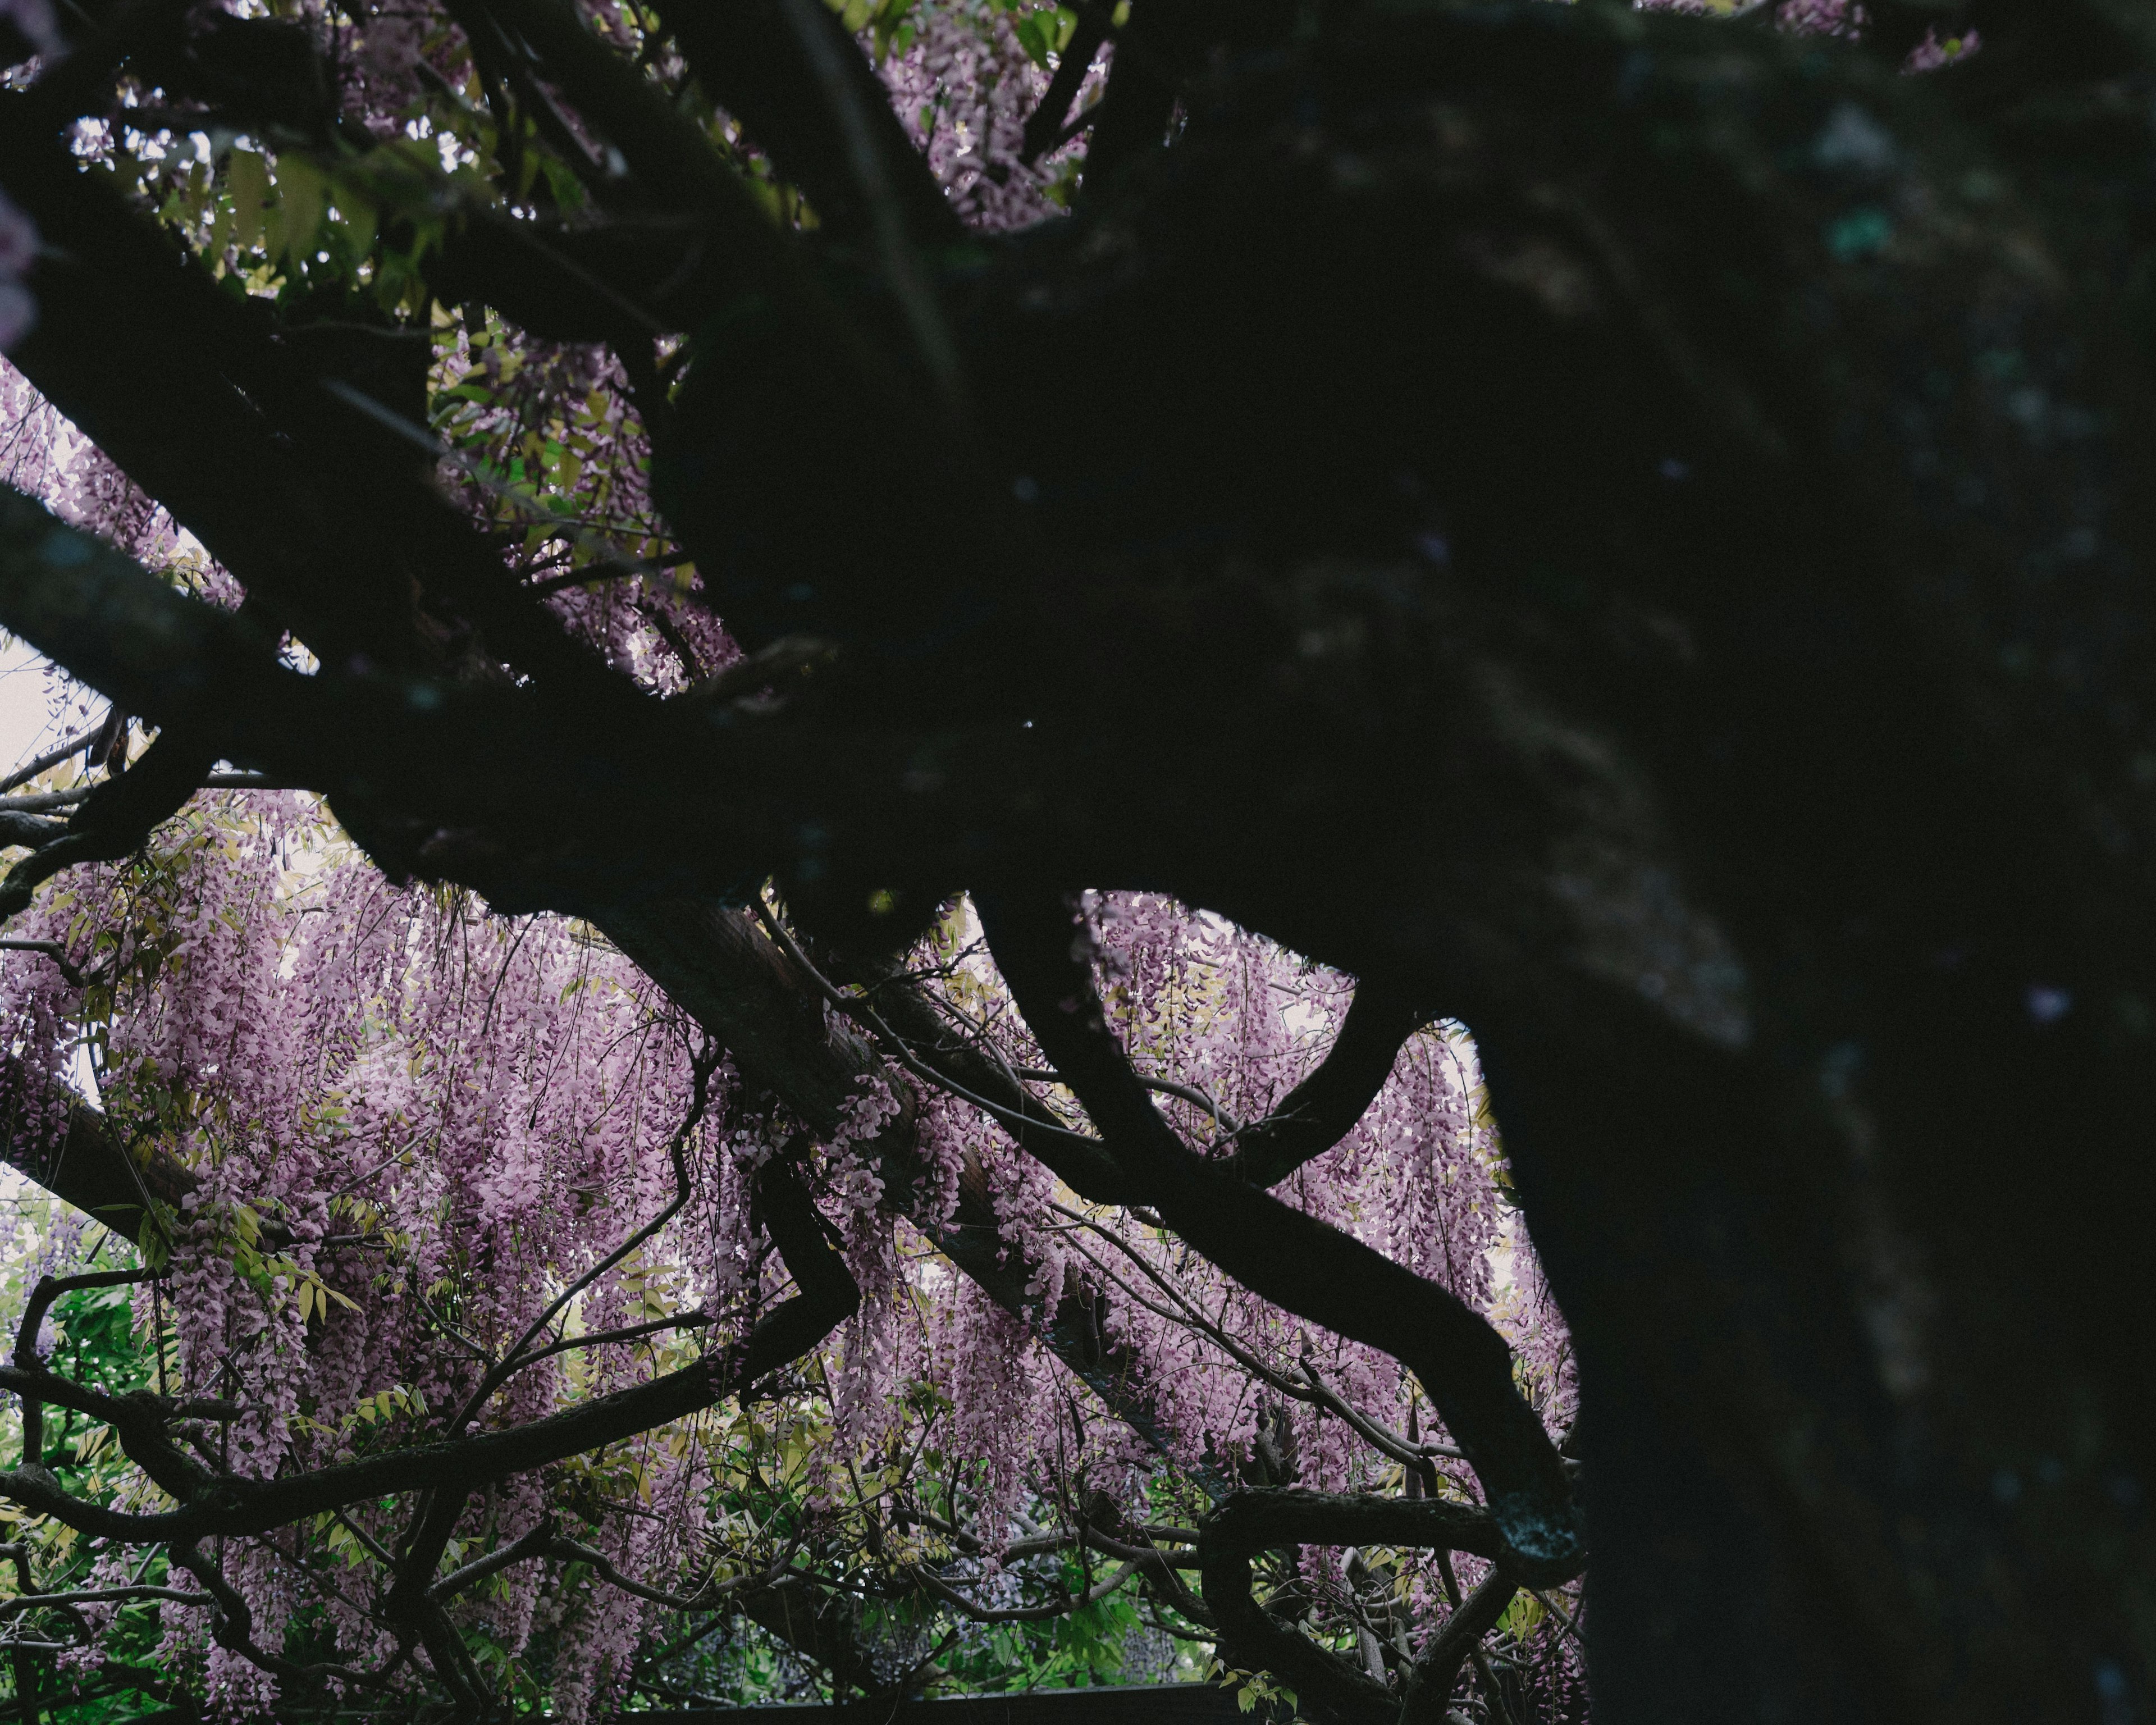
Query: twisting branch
x=25, y=1358
x=1039, y=1545
x=1159, y=1568
x=51, y=949
x=229, y=1504
x=1289, y=1258
x=1074, y=1157
x=1249, y=1522
x=1437, y=1667
x=37, y=1491
x=1404, y=1450
x=233, y=1627
x=1226, y=1123
x=50, y=1288
x=534, y=1543
x=1183, y=1312
x=1322, y=1110
x=1311, y=1389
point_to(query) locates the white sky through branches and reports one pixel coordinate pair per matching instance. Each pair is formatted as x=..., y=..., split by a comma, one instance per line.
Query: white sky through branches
x=26, y=703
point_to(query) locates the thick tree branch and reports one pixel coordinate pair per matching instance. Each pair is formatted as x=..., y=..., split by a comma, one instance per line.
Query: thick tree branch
x=751, y=61
x=69, y=1148
x=1043, y=127
x=117, y=817
x=621, y=281
x=1428, y=1694
x=823, y=1625
x=300, y=494
x=1274, y=1517
x=99, y=1596
x=1288, y=1257
x=766, y=1008
x=1248, y=1522
x=663, y=147
x=25, y=1361
x=1322, y=1110
x=234, y=1505
x=533, y=1544
x=28, y=829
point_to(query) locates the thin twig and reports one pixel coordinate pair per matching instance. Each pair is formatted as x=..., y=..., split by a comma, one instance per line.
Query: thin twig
x=51, y=758
x=52, y=950
x=510, y=1362
x=902, y=1050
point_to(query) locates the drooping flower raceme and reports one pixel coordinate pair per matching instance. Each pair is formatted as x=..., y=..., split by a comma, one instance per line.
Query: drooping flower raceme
x=413, y=1124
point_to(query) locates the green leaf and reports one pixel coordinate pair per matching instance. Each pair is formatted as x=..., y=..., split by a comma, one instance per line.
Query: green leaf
x=303, y=199
x=248, y=176
x=1033, y=38
x=360, y=222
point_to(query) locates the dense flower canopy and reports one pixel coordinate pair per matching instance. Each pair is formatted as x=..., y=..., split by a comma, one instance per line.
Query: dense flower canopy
x=416, y=1125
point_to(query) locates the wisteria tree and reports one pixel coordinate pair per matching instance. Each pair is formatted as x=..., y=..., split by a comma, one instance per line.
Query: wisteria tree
x=819, y=720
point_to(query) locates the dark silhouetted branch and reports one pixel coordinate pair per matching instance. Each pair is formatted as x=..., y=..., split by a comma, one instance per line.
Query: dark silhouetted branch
x=1289, y=1258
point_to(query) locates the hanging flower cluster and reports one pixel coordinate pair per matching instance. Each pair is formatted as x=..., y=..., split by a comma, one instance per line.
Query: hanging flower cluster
x=411, y=1125
x=964, y=87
